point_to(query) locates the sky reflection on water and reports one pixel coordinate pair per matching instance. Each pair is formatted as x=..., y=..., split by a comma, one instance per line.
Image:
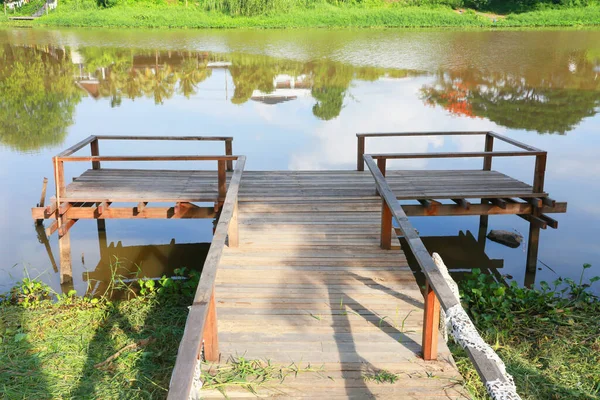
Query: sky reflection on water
x=295, y=102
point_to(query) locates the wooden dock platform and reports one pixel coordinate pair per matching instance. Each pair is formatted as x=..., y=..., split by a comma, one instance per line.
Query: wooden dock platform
x=310, y=284
x=305, y=267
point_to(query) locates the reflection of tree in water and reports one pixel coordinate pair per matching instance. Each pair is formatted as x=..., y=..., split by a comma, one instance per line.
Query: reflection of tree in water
x=553, y=98
x=159, y=75
x=37, y=96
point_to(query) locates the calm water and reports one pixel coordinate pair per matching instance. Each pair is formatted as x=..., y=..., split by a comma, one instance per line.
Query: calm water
x=294, y=100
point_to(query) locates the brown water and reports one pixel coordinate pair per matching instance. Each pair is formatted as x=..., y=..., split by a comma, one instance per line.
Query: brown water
x=294, y=100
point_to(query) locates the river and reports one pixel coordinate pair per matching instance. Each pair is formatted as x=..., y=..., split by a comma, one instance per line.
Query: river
x=295, y=100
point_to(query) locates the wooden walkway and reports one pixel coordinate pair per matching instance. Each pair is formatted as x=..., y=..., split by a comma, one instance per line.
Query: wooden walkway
x=309, y=284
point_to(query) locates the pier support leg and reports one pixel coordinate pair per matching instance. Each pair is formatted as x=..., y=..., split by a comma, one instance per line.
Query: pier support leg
x=64, y=249
x=532, y=247
x=483, y=229
x=211, y=339
x=431, y=324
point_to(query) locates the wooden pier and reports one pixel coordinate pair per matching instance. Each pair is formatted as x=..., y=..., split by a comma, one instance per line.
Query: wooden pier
x=305, y=267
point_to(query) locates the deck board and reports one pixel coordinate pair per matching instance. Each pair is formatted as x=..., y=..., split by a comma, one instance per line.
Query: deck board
x=314, y=287
x=134, y=185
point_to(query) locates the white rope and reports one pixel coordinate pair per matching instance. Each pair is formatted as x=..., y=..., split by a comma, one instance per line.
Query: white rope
x=197, y=382
x=462, y=330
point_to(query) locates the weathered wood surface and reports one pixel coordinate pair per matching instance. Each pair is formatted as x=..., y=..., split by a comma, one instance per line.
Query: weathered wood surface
x=487, y=369
x=132, y=185
x=309, y=284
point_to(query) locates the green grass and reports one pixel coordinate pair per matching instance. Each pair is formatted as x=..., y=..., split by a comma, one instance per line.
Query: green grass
x=50, y=352
x=549, y=339
x=318, y=15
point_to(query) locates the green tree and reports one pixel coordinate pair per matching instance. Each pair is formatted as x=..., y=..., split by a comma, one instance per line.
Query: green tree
x=37, y=96
x=546, y=100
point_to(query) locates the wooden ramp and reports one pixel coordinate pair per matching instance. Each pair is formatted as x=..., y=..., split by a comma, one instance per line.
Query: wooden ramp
x=309, y=284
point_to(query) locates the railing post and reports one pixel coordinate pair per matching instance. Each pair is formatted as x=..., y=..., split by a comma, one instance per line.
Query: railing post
x=431, y=324
x=95, y=149
x=222, y=181
x=233, y=235
x=386, y=226
x=360, y=163
x=489, y=146
x=229, y=152
x=211, y=334
x=533, y=240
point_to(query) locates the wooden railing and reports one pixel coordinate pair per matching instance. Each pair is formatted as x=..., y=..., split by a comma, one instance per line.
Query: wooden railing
x=202, y=319
x=538, y=198
x=438, y=292
x=225, y=163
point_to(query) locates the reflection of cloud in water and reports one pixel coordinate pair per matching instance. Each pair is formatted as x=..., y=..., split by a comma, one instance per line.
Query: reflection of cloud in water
x=334, y=144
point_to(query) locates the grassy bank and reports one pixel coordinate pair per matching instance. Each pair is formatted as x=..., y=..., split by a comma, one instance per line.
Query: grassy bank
x=65, y=346
x=74, y=347
x=549, y=339
x=320, y=14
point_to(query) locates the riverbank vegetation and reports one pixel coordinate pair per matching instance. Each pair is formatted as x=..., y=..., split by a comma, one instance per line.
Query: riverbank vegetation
x=549, y=338
x=318, y=13
x=66, y=346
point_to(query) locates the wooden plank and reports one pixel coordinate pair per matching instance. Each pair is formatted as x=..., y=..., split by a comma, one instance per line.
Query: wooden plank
x=176, y=138
x=149, y=158
x=400, y=134
x=550, y=221
x=513, y=142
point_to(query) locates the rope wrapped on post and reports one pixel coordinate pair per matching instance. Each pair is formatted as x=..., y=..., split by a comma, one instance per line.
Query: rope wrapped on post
x=461, y=328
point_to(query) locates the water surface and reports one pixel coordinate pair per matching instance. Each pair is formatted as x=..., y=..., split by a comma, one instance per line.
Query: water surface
x=295, y=100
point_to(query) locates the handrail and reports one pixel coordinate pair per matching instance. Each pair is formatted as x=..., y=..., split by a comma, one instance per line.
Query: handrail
x=94, y=146
x=488, y=154
x=438, y=289
x=201, y=322
x=397, y=156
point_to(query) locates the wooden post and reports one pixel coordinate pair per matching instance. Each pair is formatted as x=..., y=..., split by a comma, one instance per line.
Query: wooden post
x=431, y=324
x=386, y=226
x=42, y=202
x=360, y=162
x=222, y=181
x=483, y=228
x=233, y=235
x=533, y=241
x=229, y=152
x=211, y=339
x=95, y=152
x=64, y=240
x=381, y=163
x=489, y=146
